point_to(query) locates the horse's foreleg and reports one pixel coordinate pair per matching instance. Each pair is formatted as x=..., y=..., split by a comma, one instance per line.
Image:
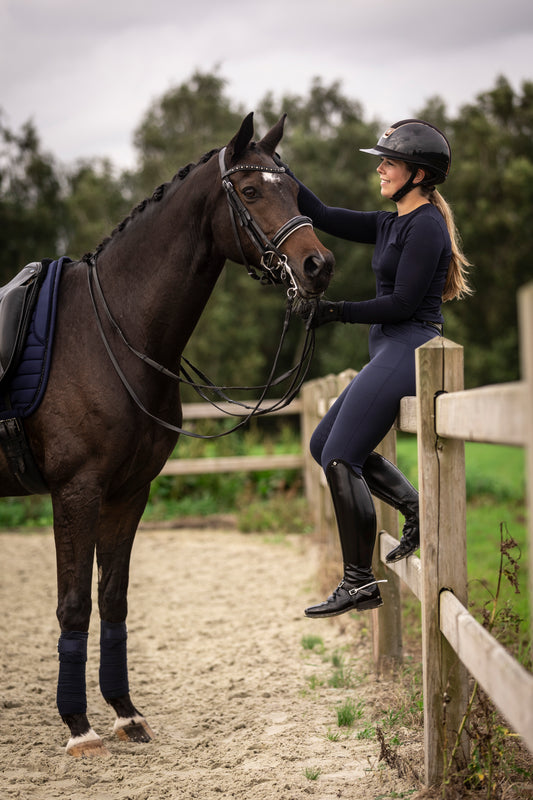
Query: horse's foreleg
x=117, y=531
x=75, y=542
x=130, y=725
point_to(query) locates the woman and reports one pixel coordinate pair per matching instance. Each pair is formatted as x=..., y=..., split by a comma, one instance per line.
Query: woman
x=418, y=264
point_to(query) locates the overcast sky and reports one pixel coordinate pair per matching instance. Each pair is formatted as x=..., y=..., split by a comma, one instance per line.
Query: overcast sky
x=86, y=71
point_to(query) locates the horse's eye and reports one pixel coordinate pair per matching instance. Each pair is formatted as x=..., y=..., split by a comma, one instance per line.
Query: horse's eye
x=249, y=192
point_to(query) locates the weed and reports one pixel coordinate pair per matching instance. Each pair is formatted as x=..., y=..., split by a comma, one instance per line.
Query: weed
x=337, y=659
x=313, y=642
x=367, y=733
x=341, y=678
x=393, y=759
x=333, y=736
x=314, y=681
x=312, y=773
x=348, y=713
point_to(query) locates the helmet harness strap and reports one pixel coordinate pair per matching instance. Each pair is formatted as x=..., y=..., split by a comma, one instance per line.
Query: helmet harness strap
x=408, y=185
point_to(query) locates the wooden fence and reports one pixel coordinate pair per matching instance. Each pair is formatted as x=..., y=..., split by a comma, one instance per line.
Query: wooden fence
x=442, y=416
x=204, y=465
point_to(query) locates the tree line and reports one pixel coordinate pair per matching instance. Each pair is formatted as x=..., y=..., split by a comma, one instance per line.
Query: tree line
x=48, y=209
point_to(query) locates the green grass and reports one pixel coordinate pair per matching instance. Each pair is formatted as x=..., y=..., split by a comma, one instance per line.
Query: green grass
x=312, y=642
x=312, y=773
x=348, y=712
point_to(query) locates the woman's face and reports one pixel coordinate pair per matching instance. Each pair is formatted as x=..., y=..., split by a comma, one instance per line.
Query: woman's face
x=393, y=175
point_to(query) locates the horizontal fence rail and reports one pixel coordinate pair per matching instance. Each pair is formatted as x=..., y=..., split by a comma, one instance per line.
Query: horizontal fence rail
x=220, y=464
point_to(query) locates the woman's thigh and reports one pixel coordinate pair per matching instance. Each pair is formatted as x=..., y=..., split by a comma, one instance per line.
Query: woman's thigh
x=367, y=408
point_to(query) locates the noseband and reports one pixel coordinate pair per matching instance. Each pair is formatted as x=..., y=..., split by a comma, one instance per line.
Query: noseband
x=274, y=264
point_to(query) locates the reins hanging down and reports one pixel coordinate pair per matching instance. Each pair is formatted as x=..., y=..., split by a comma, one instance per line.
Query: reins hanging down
x=275, y=269
x=300, y=371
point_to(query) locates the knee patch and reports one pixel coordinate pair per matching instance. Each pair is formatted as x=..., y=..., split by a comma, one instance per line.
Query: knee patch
x=71, y=689
x=113, y=659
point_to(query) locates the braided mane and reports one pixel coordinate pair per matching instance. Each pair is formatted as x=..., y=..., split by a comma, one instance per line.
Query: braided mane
x=156, y=196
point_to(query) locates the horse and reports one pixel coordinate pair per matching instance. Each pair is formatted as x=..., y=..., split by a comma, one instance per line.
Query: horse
x=98, y=446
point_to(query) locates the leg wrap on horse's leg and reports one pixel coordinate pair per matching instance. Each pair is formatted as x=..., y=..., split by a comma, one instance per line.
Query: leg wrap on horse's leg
x=113, y=660
x=71, y=689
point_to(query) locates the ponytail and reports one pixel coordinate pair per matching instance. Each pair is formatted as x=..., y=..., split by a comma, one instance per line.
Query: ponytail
x=456, y=286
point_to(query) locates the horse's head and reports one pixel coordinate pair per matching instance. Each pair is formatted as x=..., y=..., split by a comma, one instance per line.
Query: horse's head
x=267, y=230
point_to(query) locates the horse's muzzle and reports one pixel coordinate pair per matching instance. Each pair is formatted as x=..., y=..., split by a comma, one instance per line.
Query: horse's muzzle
x=317, y=272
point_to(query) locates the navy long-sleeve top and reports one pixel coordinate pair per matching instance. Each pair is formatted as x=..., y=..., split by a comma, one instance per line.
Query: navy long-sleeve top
x=411, y=258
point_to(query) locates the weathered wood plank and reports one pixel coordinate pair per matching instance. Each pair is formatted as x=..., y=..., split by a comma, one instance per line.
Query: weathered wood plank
x=201, y=466
x=508, y=684
x=487, y=414
x=439, y=366
x=408, y=569
x=207, y=411
x=406, y=420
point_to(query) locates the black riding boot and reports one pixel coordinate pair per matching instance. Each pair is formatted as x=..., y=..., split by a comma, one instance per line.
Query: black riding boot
x=387, y=483
x=356, y=521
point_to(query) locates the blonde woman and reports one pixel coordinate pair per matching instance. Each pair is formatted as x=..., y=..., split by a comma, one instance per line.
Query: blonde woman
x=418, y=264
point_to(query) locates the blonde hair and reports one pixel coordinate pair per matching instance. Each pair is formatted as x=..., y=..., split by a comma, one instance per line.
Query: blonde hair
x=456, y=285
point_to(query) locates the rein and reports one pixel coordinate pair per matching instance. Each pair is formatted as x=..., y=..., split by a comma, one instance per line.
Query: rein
x=275, y=270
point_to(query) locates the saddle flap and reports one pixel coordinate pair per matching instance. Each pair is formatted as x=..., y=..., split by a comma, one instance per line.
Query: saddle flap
x=17, y=300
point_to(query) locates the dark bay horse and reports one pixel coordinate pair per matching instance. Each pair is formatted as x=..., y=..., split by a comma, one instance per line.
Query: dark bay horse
x=95, y=449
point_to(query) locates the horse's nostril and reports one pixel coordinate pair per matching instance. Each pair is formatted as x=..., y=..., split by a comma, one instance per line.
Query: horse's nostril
x=313, y=265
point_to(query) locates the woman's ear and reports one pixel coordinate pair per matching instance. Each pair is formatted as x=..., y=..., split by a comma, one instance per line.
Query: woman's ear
x=419, y=177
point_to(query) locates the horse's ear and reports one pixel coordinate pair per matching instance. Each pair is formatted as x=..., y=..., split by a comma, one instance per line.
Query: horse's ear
x=270, y=140
x=242, y=138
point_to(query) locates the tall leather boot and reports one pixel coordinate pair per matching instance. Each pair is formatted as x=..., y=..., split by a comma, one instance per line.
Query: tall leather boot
x=356, y=522
x=387, y=483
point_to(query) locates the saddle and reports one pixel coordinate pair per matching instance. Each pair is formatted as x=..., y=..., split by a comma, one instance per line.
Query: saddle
x=17, y=301
x=27, y=319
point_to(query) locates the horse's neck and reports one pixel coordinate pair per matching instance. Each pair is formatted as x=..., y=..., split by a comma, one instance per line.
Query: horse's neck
x=161, y=269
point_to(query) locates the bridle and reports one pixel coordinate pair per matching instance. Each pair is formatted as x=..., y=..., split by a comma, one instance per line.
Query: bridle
x=275, y=270
x=274, y=265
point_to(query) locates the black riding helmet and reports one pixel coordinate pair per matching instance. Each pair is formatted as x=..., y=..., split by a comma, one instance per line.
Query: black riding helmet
x=419, y=144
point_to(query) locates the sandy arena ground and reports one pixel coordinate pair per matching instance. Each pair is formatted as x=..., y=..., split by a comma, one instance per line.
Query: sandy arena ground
x=239, y=707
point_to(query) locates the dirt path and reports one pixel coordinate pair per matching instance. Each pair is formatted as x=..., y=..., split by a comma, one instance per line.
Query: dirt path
x=240, y=708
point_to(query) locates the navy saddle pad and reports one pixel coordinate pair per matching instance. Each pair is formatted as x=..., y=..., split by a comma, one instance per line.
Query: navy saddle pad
x=26, y=384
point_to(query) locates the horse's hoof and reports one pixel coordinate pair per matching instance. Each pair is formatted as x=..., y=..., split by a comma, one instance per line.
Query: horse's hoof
x=133, y=729
x=88, y=745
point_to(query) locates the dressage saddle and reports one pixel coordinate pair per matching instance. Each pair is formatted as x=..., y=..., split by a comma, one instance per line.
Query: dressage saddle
x=17, y=301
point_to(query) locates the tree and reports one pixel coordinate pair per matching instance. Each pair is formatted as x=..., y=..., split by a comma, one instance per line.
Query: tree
x=178, y=128
x=47, y=210
x=96, y=201
x=31, y=203
x=491, y=191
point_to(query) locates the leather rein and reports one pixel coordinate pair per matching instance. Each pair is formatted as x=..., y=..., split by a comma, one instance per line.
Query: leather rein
x=275, y=269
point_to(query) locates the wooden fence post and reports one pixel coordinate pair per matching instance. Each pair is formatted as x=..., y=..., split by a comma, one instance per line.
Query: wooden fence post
x=443, y=552
x=525, y=311
x=387, y=621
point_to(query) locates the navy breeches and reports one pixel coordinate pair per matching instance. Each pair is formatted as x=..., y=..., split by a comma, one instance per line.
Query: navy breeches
x=367, y=408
